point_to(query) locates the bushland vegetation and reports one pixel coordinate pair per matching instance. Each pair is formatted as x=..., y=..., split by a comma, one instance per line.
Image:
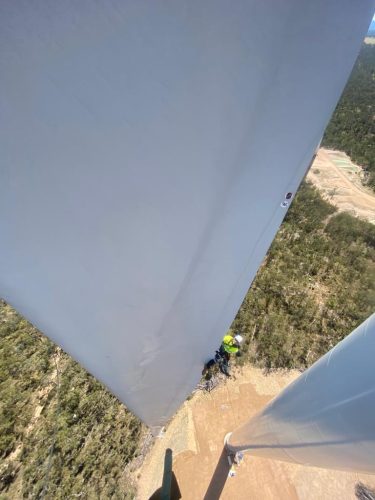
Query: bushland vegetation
x=352, y=126
x=317, y=283
x=62, y=434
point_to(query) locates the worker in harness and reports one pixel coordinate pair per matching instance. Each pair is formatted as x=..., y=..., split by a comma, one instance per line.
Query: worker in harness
x=229, y=345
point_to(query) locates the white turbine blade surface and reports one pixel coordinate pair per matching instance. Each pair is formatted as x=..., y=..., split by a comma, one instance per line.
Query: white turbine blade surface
x=146, y=151
x=326, y=416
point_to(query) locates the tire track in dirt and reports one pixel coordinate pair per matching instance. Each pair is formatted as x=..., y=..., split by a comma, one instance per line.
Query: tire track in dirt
x=342, y=186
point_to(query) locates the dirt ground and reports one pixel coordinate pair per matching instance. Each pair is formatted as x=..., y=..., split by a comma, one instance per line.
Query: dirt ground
x=339, y=181
x=195, y=436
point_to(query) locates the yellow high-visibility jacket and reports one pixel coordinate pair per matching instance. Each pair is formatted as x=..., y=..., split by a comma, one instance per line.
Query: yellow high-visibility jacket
x=229, y=344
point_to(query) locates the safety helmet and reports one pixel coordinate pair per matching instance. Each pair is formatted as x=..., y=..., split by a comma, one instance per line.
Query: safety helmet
x=238, y=338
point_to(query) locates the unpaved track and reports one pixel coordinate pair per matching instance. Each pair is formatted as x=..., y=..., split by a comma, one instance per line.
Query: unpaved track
x=342, y=186
x=196, y=437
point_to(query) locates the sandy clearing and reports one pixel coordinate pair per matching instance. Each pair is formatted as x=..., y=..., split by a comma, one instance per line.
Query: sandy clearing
x=196, y=435
x=339, y=181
